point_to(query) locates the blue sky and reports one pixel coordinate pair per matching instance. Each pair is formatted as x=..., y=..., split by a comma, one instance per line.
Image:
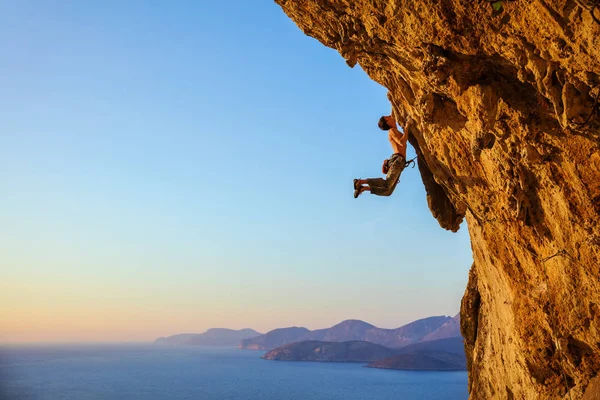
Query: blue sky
x=172, y=167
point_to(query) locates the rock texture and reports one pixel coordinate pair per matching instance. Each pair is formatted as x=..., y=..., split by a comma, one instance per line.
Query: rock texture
x=501, y=106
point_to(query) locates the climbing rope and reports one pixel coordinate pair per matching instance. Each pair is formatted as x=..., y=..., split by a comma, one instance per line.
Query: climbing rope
x=469, y=207
x=562, y=252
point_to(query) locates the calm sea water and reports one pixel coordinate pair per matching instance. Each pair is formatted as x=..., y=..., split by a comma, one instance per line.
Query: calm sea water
x=148, y=372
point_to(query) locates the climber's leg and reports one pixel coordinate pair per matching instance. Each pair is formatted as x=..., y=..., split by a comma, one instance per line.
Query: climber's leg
x=385, y=187
x=359, y=188
x=380, y=186
x=359, y=182
x=376, y=183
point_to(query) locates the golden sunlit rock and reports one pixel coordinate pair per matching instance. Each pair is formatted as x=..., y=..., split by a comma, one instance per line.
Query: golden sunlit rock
x=504, y=97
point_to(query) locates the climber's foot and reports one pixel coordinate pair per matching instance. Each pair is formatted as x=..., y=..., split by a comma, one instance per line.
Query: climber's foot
x=357, y=192
x=356, y=184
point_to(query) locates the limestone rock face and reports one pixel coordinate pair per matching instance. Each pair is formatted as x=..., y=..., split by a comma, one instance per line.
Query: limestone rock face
x=501, y=108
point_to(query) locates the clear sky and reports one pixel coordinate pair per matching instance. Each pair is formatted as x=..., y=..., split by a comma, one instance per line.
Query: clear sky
x=169, y=167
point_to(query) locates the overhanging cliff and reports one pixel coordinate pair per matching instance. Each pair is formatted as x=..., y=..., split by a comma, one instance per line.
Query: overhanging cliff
x=507, y=128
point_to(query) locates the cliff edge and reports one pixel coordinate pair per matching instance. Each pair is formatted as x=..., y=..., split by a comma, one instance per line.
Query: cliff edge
x=504, y=98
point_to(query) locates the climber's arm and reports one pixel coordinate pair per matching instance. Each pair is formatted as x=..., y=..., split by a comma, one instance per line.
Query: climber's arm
x=404, y=137
x=395, y=138
x=395, y=134
x=407, y=127
x=398, y=140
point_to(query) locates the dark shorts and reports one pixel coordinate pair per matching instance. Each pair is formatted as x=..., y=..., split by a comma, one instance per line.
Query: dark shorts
x=385, y=187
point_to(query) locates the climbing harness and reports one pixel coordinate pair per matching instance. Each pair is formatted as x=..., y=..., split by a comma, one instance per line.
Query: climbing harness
x=386, y=165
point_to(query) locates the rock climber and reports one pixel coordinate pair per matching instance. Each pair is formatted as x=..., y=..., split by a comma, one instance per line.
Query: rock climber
x=392, y=167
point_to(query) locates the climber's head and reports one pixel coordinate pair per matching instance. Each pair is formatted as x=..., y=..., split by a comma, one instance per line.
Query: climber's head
x=385, y=123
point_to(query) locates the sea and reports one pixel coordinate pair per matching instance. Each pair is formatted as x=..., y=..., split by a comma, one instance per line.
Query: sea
x=158, y=372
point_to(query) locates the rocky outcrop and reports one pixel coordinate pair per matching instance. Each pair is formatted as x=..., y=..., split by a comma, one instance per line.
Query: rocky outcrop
x=500, y=99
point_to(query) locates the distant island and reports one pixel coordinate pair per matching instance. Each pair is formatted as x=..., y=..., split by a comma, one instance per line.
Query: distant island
x=212, y=337
x=437, y=355
x=426, y=329
x=315, y=350
x=432, y=343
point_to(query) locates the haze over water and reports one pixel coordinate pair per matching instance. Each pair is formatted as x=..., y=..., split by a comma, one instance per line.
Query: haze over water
x=145, y=372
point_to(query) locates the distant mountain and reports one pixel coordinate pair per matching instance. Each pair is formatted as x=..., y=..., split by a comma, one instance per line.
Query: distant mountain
x=349, y=330
x=413, y=332
x=182, y=338
x=440, y=355
x=274, y=338
x=315, y=350
x=212, y=337
x=450, y=328
x=356, y=330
